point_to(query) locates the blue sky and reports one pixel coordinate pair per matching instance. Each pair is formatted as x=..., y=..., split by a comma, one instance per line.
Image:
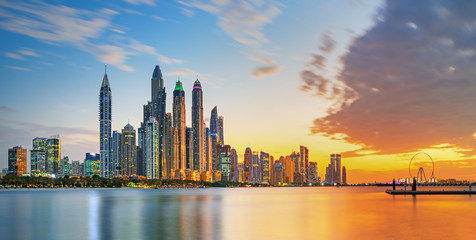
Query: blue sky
x=282, y=73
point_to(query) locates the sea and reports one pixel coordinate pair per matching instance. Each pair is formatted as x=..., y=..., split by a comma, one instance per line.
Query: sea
x=365, y=212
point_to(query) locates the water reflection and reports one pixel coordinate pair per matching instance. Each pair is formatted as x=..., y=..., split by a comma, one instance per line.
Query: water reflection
x=256, y=213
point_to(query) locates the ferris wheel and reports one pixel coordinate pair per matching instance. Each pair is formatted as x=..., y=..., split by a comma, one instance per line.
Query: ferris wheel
x=421, y=172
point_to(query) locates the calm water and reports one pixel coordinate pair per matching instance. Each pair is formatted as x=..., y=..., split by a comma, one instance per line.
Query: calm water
x=245, y=213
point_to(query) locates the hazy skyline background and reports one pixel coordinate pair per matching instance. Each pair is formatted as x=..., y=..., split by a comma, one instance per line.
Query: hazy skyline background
x=376, y=81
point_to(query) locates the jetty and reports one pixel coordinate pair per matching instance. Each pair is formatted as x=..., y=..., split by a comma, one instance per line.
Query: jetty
x=430, y=192
x=414, y=191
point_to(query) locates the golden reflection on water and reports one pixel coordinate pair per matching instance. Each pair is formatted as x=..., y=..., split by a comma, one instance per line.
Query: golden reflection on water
x=242, y=213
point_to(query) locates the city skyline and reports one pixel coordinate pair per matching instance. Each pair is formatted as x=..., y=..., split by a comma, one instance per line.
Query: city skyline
x=377, y=118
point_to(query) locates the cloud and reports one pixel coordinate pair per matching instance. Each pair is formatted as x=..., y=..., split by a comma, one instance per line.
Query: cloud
x=266, y=71
x=51, y=23
x=316, y=79
x=18, y=68
x=181, y=72
x=14, y=55
x=271, y=67
x=7, y=109
x=118, y=31
x=28, y=52
x=242, y=20
x=159, y=18
x=407, y=86
x=80, y=28
x=138, y=2
x=327, y=43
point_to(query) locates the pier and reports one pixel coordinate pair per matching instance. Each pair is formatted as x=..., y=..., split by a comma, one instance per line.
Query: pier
x=428, y=192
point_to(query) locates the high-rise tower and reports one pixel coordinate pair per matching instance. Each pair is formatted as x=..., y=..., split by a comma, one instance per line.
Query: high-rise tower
x=105, y=126
x=248, y=165
x=214, y=137
x=220, y=130
x=197, y=127
x=128, y=151
x=158, y=111
x=304, y=162
x=17, y=161
x=151, y=149
x=179, y=122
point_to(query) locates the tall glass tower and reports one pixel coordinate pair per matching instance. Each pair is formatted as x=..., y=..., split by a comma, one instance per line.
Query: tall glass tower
x=214, y=136
x=158, y=111
x=105, y=126
x=179, y=122
x=197, y=127
x=128, y=151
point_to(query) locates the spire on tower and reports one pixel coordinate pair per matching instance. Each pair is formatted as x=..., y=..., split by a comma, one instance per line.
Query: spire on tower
x=105, y=80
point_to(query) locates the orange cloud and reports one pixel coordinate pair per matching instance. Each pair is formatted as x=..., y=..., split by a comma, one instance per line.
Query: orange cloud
x=410, y=86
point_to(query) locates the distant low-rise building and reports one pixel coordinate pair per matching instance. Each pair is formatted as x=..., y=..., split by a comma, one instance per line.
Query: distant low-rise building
x=92, y=165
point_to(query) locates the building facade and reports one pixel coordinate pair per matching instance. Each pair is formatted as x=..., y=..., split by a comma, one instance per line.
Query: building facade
x=151, y=149
x=105, y=117
x=16, y=161
x=198, y=127
x=179, y=123
x=92, y=164
x=128, y=151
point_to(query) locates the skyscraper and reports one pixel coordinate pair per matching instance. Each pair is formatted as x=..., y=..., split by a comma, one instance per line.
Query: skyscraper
x=256, y=168
x=278, y=173
x=225, y=161
x=105, y=109
x=214, y=136
x=128, y=151
x=16, y=161
x=197, y=127
x=344, y=176
x=337, y=176
x=92, y=164
x=151, y=148
x=65, y=166
x=116, y=168
x=234, y=165
x=289, y=167
x=189, y=149
x=76, y=168
x=38, y=156
x=304, y=159
x=265, y=167
x=208, y=150
x=332, y=170
x=179, y=122
x=295, y=158
x=220, y=130
x=158, y=111
x=313, y=176
x=248, y=165
x=140, y=161
x=170, y=148
x=53, y=154
x=38, y=162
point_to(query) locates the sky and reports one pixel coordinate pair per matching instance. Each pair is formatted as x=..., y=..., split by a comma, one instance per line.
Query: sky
x=377, y=81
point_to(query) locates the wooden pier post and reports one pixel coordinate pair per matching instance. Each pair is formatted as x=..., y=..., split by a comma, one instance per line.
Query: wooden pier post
x=393, y=184
x=414, y=184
